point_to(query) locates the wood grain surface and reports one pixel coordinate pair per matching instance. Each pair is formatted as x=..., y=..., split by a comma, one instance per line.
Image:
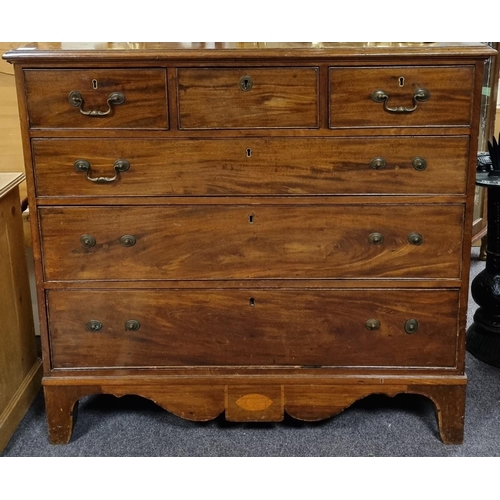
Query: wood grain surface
x=145, y=103
x=238, y=242
x=245, y=327
x=211, y=98
x=449, y=103
x=20, y=368
x=251, y=166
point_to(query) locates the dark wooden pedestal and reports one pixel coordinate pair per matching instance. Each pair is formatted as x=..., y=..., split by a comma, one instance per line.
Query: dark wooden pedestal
x=483, y=336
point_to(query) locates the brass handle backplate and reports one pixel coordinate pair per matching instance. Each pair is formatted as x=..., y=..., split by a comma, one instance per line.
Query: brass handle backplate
x=411, y=326
x=372, y=324
x=415, y=238
x=378, y=163
x=127, y=240
x=132, y=325
x=420, y=95
x=114, y=99
x=419, y=163
x=84, y=166
x=93, y=325
x=376, y=238
x=87, y=241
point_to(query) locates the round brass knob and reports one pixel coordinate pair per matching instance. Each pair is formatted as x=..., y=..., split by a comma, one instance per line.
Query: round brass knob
x=415, y=238
x=132, y=325
x=87, y=241
x=411, y=326
x=127, y=240
x=372, y=324
x=93, y=325
x=419, y=163
x=378, y=163
x=376, y=238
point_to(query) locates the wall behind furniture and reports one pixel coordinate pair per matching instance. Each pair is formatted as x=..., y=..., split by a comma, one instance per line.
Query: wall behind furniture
x=11, y=152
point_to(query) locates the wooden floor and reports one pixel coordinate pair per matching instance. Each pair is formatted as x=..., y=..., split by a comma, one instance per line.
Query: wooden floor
x=11, y=153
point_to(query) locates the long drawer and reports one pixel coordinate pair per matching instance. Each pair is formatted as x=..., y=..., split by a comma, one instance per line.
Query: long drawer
x=257, y=241
x=391, y=165
x=97, y=98
x=123, y=328
x=401, y=96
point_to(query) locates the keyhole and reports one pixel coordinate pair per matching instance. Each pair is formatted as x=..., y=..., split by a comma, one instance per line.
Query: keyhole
x=250, y=219
x=249, y=153
x=94, y=84
x=401, y=81
x=246, y=83
x=251, y=302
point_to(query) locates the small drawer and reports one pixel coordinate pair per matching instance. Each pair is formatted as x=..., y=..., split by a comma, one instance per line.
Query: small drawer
x=401, y=96
x=217, y=242
x=337, y=328
x=252, y=166
x=97, y=98
x=245, y=98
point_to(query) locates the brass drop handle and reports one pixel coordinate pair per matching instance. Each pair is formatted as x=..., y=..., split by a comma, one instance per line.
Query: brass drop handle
x=418, y=163
x=88, y=241
x=372, y=324
x=84, y=166
x=420, y=95
x=114, y=99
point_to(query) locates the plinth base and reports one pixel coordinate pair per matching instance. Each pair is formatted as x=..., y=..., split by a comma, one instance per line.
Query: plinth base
x=255, y=398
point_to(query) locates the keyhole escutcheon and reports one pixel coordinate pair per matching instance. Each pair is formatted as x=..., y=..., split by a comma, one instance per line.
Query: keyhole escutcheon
x=249, y=152
x=94, y=84
x=401, y=81
x=246, y=83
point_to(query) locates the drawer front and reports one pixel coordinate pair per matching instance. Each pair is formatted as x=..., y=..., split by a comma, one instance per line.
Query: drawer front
x=250, y=166
x=124, y=328
x=96, y=103
x=243, y=98
x=449, y=96
x=247, y=242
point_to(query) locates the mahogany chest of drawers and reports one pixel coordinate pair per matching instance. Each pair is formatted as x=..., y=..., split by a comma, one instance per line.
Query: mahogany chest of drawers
x=251, y=230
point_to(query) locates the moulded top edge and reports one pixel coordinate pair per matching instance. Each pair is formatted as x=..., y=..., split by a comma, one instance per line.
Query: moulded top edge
x=246, y=50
